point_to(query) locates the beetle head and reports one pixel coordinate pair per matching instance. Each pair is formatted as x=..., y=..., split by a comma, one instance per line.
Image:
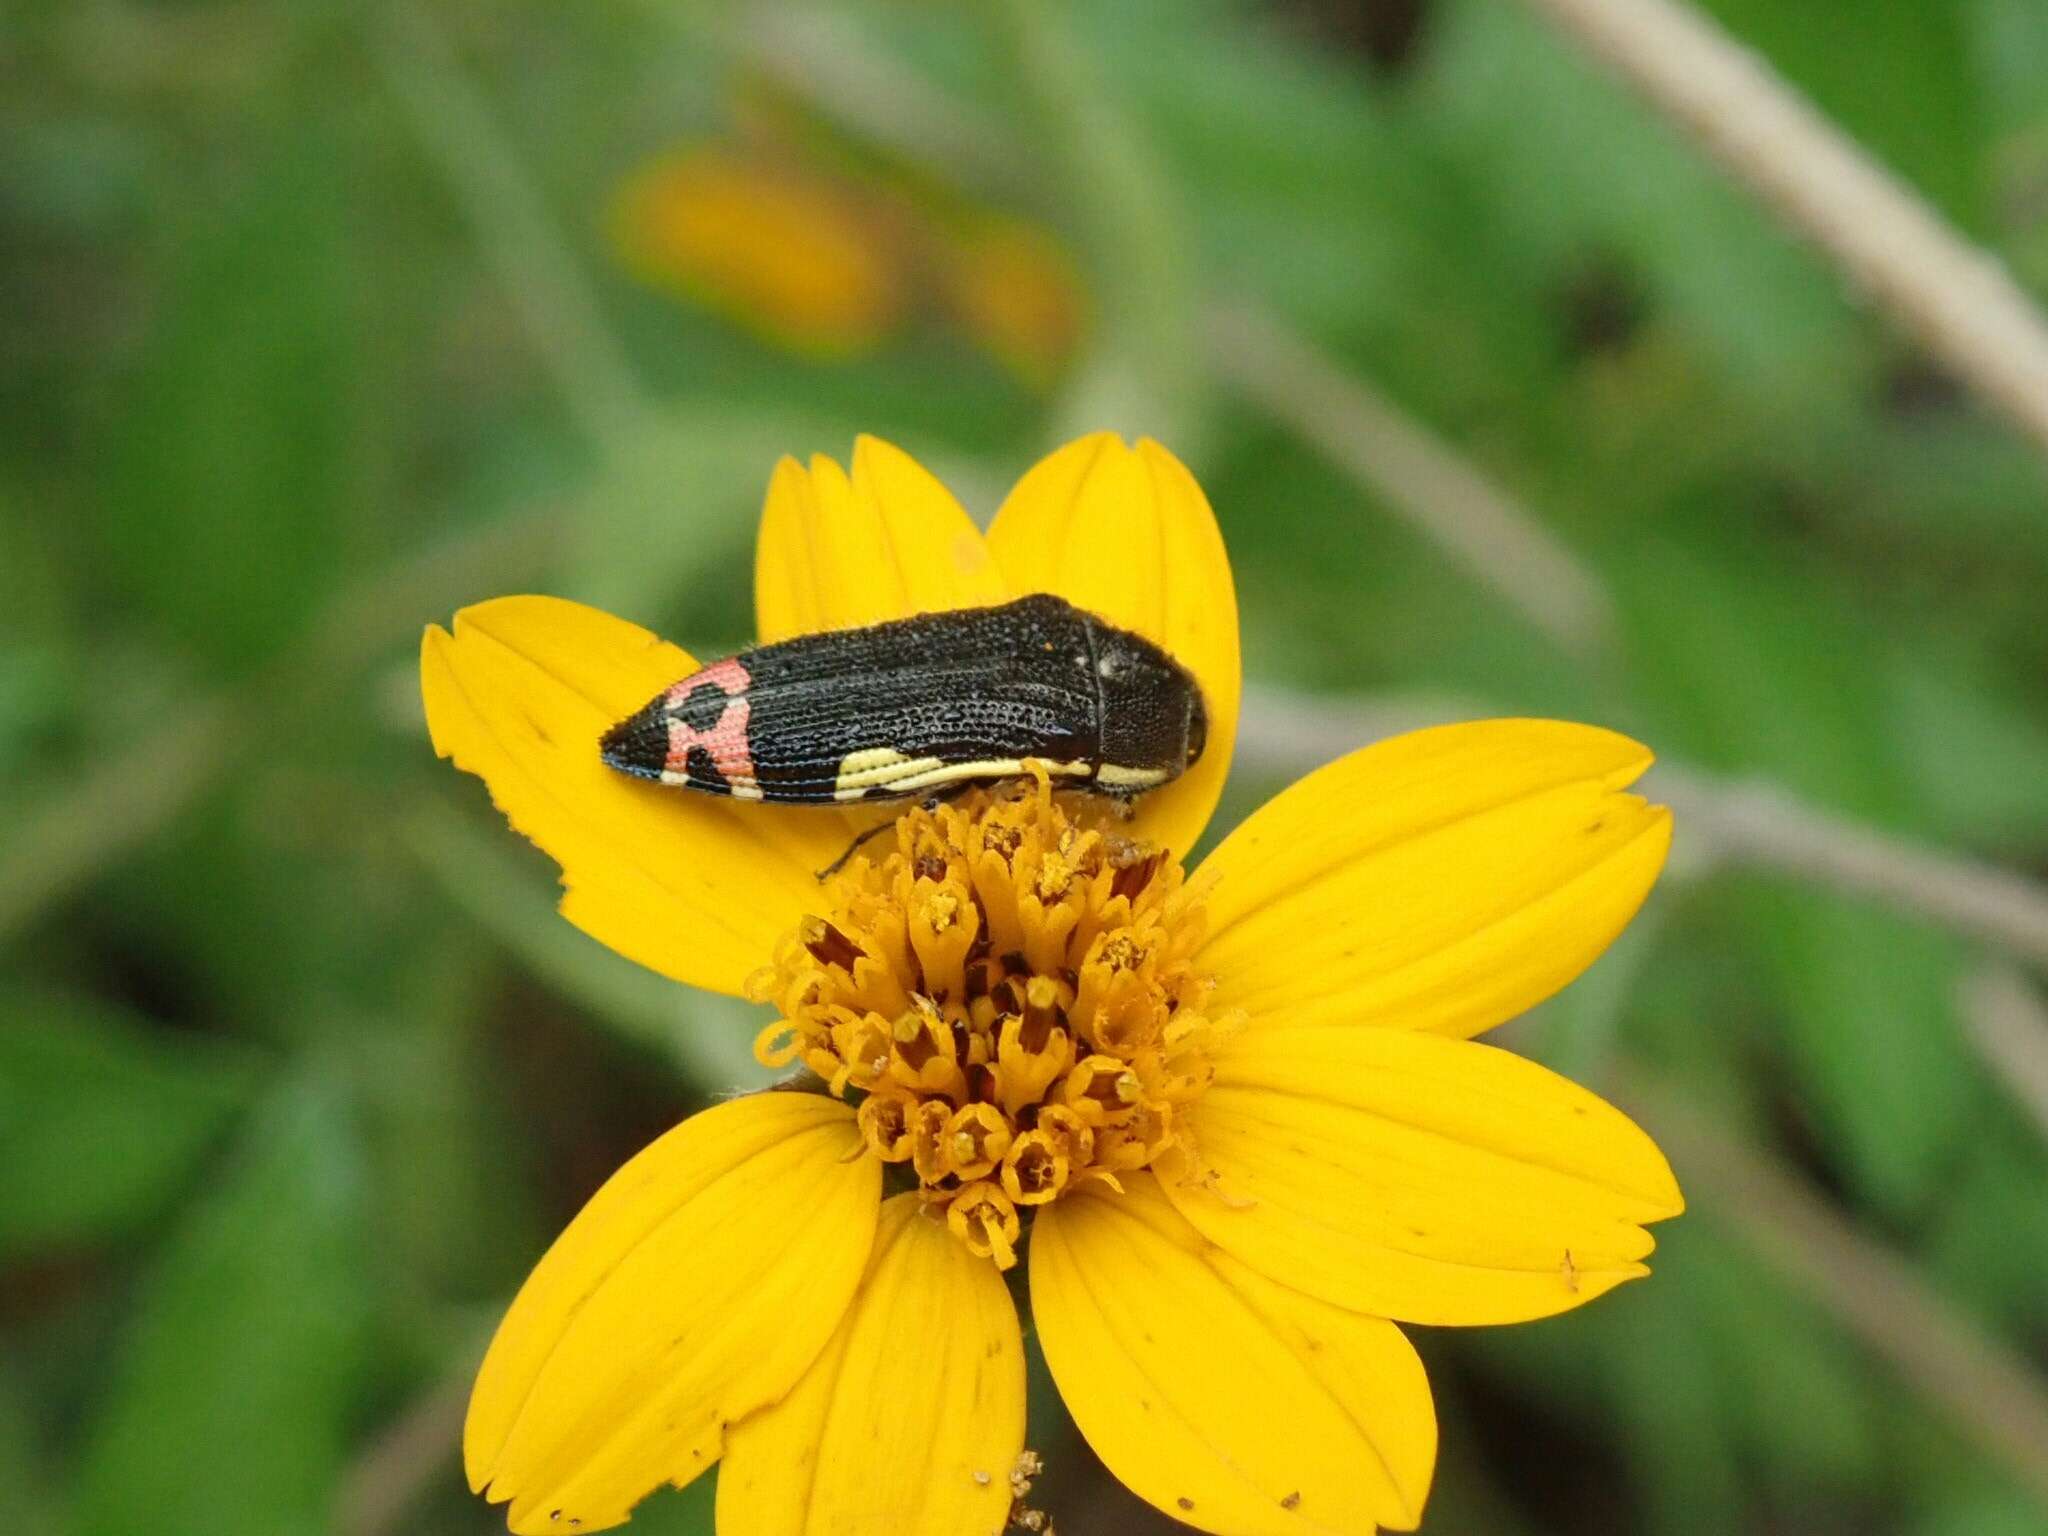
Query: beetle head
x=1152, y=715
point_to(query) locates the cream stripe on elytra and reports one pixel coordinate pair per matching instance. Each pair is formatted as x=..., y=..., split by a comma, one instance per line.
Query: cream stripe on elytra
x=1114, y=776
x=886, y=769
x=876, y=768
x=987, y=768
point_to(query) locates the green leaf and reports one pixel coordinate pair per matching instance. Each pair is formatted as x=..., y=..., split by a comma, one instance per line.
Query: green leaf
x=1872, y=1036
x=683, y=502
x=1794, y=1392
x=2011, y=54
x=1974, y=746
x=2012, y=57
x=1337, y=592
x=710, y=1038
x=1989, y=1232
x=1565, y=165
x=1906, y=88
x=1982, y=1512
x=228, y=467
x=1574, y=1033
x=1712, y=1375
x=24, y=1418
x=35, y=601
x=1750, y=665
x=1946, y=485
x=32, y=700
x=679, y=1512
x=101, y=1121
x=1312, y=191
x=231, y=1405
x=1665, y=1369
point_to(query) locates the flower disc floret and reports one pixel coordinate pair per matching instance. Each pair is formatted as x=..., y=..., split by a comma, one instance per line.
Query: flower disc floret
x=1012, y=996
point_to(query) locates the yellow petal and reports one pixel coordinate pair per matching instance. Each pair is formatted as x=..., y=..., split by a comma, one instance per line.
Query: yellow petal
x=1233, y=1404
x=1127, y=534
x=889, y=541
x=691, y=886
x=695, y=1287
x=1419, y=1178
x=912, y=1416
x=1444, y=880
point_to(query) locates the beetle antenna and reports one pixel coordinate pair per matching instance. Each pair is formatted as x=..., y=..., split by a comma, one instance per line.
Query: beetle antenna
x=853, y=847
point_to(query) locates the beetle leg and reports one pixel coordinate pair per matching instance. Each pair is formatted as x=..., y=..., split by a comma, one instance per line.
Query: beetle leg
x=931, y=802
x=854, y=847
x=1122, y=804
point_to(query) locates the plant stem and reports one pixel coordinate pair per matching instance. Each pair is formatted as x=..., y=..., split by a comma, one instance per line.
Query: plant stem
x=540, y=273
x=1504, y=546
x=2008, y=1020
x=1762, y=826
x=1957, y=300
x=1137, y=246
x=1984, y=1389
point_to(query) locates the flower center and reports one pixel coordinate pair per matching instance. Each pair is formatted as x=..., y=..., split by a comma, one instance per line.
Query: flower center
x=1011, y=994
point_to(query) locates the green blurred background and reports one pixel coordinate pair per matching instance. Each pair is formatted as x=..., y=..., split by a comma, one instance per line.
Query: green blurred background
x=321, y=319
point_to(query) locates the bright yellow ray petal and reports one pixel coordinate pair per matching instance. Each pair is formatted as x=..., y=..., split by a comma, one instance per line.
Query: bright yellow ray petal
x=691, y=886
x=1126, y=533
x=1233, y=1404
x=1419, y=1178
x=888, y=541
x=1445, y=880
x=911, y=1418
x=696, y=1286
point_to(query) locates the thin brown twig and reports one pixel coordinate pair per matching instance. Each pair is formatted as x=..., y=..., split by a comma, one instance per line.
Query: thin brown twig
x=1146, y=372
x=2008, y=1020
x=386, y=1478
x=516, y=233
x=1284, y=733
x=1958, y=300
x=1499, y=542
x=1983, y=1388
x=1762, y=826
x=826, y=60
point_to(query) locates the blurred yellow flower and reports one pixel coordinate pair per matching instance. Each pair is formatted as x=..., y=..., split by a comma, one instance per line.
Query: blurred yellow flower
x=831, y=266
x=1012, y=289
x=785, y=253
x=1235, y=1119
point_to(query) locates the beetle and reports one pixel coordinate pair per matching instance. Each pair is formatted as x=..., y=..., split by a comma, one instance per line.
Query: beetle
x=922, y=706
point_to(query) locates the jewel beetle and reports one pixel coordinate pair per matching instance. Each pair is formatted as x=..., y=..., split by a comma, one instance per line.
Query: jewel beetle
x=923, y=705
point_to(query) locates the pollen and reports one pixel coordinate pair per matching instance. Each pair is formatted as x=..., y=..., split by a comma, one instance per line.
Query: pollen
x=1010, y=998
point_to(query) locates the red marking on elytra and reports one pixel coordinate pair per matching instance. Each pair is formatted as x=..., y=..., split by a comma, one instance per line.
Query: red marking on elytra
x=726, y=740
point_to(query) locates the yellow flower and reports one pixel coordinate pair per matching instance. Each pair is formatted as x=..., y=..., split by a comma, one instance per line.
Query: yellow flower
x=831, y=264
x=1014, y=290
x=1235, y=1122
x=786, y=253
